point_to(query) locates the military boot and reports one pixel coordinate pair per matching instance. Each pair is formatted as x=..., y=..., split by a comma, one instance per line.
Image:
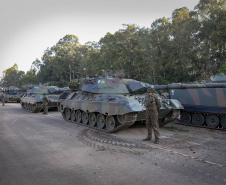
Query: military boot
x=156, y=141
x=146, y=139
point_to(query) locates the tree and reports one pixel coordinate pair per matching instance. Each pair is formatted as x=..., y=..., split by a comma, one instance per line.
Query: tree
x=61, y=61
x=121, y=51
x=29, y=79
x=35, y=67
x=212, y=38
x=12, y=76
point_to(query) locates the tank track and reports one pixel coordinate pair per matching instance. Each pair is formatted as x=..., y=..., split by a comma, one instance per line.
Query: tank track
x=201, y=126
x=37, y=109
x=174, y=116
x=128, y=121
x=29, y=109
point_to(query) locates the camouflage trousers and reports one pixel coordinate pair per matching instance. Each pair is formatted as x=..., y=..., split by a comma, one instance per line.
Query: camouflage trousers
x=152, y=122
x=45, y=108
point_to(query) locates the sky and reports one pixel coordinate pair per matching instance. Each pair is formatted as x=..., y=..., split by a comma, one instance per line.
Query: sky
x=29, y=27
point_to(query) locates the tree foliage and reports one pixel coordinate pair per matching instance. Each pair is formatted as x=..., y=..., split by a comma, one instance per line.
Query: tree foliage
x=12, y=76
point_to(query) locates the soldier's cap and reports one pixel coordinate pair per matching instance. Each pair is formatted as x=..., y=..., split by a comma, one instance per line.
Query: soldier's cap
x=150, y=89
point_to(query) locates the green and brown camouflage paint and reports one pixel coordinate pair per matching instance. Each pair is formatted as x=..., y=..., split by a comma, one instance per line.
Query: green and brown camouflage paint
x=204, y=104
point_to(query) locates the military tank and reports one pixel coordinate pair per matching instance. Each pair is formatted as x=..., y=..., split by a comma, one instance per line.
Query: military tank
x=12, y=94
x=32, y=100
x=111, y=103
x=204, y=104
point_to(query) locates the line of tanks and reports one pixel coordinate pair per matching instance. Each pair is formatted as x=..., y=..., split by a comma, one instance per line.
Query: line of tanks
x=113, y=103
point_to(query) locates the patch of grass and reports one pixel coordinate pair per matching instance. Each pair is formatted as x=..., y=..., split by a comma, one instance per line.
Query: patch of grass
x=174, y=128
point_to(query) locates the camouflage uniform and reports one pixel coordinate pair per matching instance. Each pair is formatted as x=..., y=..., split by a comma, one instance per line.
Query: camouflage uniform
x=152, y=108
x=3, y=99
x=45, y=104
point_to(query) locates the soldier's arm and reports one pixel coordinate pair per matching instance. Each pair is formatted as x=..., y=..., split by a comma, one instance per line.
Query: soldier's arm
x=158, y=103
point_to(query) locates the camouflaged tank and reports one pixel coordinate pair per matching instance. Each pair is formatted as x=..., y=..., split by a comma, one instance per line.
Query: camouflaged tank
x=111, y=104
x=12, y=94
x=204, y=104
x=32, y=100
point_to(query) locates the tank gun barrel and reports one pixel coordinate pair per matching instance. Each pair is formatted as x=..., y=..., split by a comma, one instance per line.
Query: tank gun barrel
x=189, y=86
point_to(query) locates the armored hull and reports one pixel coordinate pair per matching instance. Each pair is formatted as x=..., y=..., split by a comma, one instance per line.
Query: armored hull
x=204, y=105
x=111, y=104
x=32, y=100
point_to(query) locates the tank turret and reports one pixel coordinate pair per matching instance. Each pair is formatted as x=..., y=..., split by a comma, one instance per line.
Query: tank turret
x=112, y=103
x=218, y=78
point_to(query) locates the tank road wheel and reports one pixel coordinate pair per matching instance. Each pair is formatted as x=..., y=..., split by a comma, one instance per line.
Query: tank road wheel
x=198, y=119
x=73, y=116
x=61, y=108
x=110, y=123
x=121, y=118
x=78, y=116
x=100, y=121
x=223, y=122
x=212, y=121
x=67, y=114
x=185, y=117
x=92, y=119
x=85, y=118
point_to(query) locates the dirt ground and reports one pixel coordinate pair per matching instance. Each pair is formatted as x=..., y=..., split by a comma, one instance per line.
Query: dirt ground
x=45, y=149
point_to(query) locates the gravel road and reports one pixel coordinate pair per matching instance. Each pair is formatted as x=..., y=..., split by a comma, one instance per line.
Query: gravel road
x=45, y=149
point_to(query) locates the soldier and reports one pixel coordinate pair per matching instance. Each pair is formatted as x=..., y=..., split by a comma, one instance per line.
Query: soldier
x=152, y=108
x=3, y=99
x=45, y=104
